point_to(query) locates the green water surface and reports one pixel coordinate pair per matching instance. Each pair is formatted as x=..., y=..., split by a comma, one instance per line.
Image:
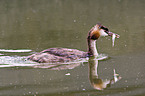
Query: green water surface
x=42, y=24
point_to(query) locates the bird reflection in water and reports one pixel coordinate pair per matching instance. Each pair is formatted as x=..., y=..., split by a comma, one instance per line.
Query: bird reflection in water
x=58, y=66
x=95, y=81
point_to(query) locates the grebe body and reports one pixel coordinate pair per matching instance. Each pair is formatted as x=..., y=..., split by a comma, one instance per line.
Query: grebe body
x=56, y=55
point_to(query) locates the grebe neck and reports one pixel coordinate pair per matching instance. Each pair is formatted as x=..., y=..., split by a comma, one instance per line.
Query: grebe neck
x=92, y=50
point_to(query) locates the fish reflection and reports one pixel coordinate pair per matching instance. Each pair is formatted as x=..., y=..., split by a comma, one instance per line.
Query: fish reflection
x=97, y=82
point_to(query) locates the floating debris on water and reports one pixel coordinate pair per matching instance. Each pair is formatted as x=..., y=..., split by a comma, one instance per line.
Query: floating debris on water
x=67, y=74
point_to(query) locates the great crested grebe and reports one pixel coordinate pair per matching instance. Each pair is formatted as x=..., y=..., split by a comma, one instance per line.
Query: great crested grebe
x=56, y=55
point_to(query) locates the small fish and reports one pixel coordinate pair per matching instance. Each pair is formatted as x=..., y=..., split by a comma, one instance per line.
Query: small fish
x=113, y=38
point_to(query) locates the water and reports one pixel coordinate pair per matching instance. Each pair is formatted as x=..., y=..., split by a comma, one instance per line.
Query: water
x=34, y=25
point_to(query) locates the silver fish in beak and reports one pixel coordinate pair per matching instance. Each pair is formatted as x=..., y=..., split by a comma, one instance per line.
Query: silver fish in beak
x=113, y=35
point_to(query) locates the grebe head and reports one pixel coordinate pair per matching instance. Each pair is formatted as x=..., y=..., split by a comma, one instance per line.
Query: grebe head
x=98, y=30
